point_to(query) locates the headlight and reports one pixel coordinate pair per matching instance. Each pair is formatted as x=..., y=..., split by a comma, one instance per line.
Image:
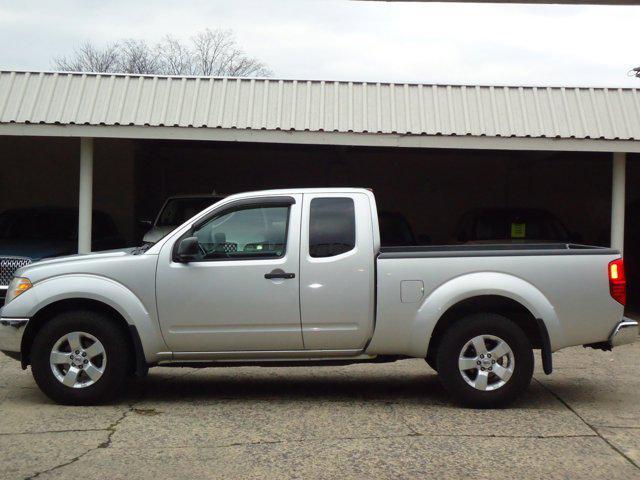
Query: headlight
x=17, y=286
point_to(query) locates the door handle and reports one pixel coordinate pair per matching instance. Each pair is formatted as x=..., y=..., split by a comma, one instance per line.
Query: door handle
x=272, y=275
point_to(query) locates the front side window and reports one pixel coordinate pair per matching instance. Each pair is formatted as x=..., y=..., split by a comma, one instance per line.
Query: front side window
x=245, y=233
x=332, y=227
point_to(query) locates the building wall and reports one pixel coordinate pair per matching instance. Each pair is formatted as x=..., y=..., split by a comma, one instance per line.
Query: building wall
x=114, y=182
x=632, y=232
x=432, y=188
x=37, y=172
x=44, y=172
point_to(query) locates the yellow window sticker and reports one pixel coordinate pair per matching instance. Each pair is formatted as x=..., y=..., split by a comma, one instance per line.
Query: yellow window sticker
x=518, y=230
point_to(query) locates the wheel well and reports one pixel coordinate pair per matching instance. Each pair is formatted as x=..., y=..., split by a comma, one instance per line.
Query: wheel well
x=505, y=306
x=53, y=309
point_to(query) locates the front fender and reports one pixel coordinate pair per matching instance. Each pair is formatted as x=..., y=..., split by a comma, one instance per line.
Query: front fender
x=475, y=285
x=92, y=287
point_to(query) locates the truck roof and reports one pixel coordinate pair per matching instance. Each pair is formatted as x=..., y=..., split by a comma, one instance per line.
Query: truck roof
x=290, y=191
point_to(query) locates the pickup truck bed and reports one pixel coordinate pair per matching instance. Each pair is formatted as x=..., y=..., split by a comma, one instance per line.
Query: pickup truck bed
x=493, y=250
x=563, y=285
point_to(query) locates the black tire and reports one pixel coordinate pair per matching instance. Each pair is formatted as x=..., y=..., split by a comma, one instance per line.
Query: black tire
x=116, y=347
x=457, y=337
x=432, y=361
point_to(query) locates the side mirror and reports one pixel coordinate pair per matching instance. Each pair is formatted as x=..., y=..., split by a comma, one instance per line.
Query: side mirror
x=188, y=250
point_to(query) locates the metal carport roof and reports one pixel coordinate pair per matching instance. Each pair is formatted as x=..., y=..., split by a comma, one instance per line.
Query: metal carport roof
x=313, y=111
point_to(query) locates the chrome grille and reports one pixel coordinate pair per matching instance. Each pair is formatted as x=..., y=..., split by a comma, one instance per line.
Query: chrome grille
x=9, y=265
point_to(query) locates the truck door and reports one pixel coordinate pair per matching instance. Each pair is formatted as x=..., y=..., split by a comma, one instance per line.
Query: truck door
x=242, y=292
x=337, y=271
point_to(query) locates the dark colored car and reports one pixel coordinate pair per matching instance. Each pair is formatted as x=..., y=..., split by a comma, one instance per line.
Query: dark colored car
x=511, y=225
x=31, y=234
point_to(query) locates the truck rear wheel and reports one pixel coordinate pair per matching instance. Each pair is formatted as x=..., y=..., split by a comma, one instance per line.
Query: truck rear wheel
x=80, y=358
x=485, y=361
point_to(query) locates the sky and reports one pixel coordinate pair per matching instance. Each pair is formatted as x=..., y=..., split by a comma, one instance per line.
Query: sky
x=492, y=44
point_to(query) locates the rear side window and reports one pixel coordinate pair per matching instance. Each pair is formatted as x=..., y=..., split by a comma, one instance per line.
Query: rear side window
x=332, y=227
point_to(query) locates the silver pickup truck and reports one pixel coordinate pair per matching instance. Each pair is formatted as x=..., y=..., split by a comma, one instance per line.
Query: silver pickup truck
x=298, y=277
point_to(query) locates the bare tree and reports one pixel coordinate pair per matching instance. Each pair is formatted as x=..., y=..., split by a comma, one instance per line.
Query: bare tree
x=175, y=58
x=135, y=56
x=217, y=53
x=89, y=58
x=209, y=53
x=239, y=65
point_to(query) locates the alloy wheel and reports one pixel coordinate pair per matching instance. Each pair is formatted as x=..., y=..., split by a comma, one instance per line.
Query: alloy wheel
x=486, y=362
x=78, y=360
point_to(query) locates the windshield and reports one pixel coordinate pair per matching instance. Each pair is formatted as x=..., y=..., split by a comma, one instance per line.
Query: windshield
x=178, y=210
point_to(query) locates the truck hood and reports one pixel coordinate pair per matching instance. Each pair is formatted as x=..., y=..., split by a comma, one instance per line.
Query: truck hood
x=69, y=263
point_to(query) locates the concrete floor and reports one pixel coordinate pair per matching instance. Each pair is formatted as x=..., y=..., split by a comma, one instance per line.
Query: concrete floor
x=382, y=421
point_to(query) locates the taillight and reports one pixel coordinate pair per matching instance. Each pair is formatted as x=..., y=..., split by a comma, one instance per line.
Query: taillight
x=618, y=281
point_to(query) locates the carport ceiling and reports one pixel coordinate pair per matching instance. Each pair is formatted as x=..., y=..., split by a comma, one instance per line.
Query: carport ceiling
x=319, y=112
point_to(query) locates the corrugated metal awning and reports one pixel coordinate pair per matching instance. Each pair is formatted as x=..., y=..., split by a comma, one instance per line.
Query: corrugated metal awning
x=53, y=98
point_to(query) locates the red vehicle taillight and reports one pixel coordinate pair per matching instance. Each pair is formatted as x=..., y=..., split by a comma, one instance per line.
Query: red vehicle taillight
x=618, y=281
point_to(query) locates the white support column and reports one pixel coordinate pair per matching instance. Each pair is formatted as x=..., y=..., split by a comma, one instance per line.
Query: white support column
x=85, y=197
x=617, y=200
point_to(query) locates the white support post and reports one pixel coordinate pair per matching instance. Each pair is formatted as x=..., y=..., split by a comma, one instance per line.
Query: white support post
x=617, y=200
x=85, y=197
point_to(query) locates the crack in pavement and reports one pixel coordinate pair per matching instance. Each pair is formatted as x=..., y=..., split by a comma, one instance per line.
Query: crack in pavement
x=364, y=437
x=593, y=428
x=616, y=426
x=398, y=414
x=42, y=432
x=112, y=428
x=416, y=433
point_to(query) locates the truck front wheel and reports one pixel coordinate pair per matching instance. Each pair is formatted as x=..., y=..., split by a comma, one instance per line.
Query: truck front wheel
x=80, y=358
x=485, y=361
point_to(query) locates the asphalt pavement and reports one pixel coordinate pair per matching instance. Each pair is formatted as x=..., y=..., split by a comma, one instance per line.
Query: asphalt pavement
x=375, y=420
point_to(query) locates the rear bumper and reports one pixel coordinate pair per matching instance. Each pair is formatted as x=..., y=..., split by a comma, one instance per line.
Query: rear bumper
x=11, y=331
x=625, y=332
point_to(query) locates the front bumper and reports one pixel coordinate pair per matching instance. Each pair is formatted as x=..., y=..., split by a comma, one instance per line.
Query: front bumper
x=625, y=332
x=11, y=331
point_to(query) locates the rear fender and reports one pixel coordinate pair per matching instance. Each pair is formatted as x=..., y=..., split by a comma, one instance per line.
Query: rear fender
x=478, y=284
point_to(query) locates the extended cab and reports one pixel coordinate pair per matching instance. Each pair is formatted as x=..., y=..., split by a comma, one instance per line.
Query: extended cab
x=299, y=277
